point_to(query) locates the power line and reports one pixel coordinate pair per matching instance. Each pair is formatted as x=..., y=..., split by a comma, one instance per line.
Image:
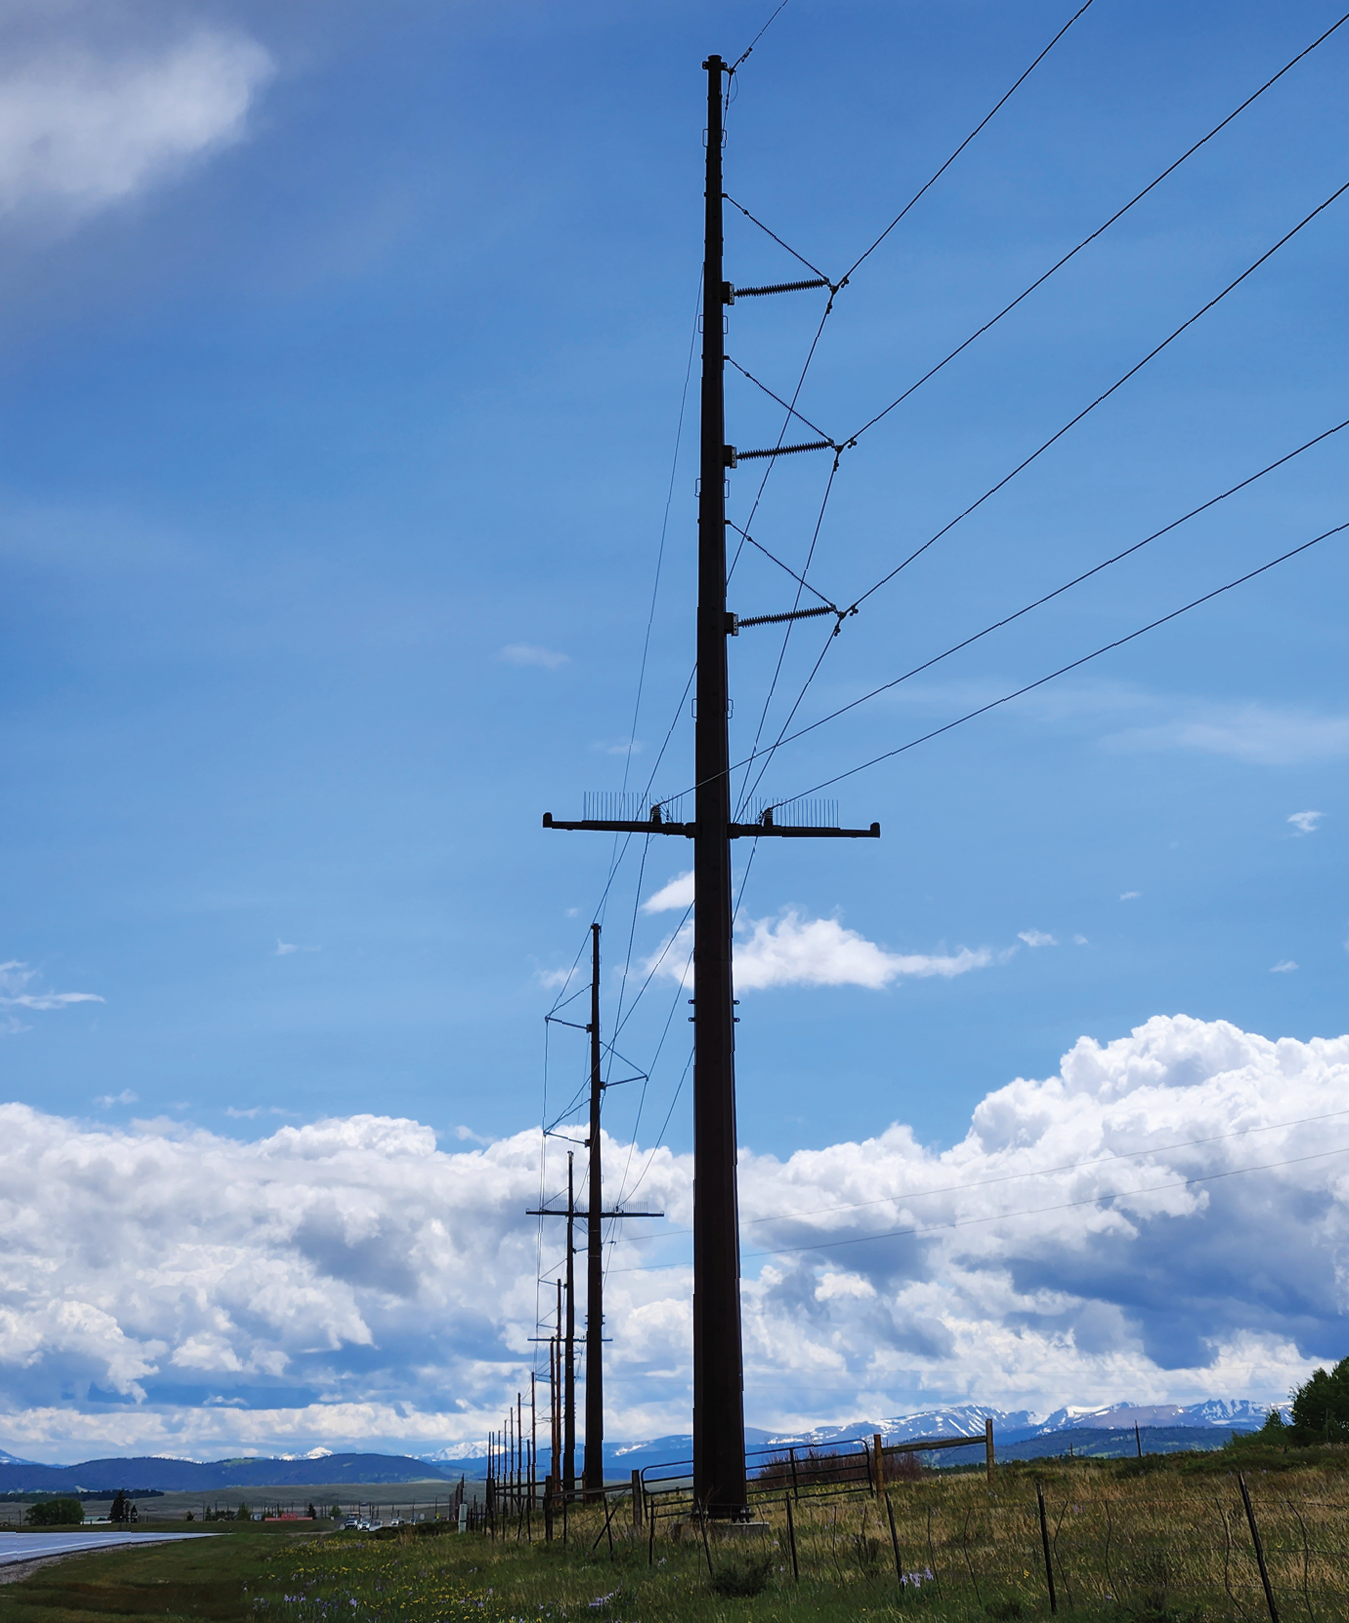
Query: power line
x=1058, y=591
x=997, y=107
x=1100, y=398
x=1063, y=670
x=1100, y=229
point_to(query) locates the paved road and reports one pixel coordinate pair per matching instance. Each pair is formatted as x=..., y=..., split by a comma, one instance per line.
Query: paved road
x=33, y=1546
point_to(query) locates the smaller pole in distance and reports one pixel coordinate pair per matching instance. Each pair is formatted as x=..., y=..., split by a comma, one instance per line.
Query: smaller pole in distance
x=569, y=1351
x=1044, y=1540
x=1138, y=1440
x=988, y=1448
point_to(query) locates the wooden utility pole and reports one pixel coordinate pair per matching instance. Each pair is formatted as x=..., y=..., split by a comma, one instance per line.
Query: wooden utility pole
x=594, y=1455
x=569, y=1342
x=720, y=1488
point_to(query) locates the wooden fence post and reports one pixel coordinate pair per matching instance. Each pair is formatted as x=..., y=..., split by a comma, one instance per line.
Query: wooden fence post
x=880, y=1464
x=988, y=1448
x=1259, y=1550
x=791, y=1537
x=1044, y=1540
x=894, y=1540
x=636, y=1498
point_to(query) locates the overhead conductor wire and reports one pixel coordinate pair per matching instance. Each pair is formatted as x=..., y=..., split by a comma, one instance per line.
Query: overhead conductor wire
x=1076, y=664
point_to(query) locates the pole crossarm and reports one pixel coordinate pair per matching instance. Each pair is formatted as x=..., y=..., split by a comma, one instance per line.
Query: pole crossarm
x=546, y=1211
x=734, y=831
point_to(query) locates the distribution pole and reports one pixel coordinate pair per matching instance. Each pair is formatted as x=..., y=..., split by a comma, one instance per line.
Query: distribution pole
x=555, y=1437
x=569, y=1344
x=594, y=1454
x=719, y=1485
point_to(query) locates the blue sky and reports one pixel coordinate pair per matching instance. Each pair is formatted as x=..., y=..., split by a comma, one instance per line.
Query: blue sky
x=341, y=359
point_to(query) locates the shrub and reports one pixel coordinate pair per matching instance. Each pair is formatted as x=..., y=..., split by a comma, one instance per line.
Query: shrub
x=1321, y=1407
x=813, y=1468
x=743, y=1576
x=55, y=1513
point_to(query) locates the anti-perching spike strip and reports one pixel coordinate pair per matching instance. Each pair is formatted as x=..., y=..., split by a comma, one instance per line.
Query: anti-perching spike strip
x=627, y=806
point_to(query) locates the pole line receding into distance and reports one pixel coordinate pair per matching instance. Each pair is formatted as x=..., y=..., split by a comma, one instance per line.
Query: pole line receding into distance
x=1076, y=664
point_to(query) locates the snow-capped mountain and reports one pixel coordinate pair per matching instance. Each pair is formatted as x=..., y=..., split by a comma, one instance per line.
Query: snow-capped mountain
x=1232, y=1414
x=1010, y=1426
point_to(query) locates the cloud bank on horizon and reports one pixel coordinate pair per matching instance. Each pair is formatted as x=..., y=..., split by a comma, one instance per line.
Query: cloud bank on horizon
x=1166, y=1219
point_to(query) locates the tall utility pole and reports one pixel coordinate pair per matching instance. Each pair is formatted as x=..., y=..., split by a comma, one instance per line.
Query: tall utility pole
x=719, y=1479
x=718, y=1380
x=594, y=1455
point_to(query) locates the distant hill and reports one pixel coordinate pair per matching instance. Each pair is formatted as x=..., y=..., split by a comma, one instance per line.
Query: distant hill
x=190, y=1476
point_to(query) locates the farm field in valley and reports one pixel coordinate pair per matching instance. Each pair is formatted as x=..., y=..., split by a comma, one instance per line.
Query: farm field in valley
x=1157, y=1541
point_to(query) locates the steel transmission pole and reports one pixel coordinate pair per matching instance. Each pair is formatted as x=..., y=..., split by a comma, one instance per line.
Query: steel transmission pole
x=718, y=1396
x=593, y=1472
x=719, y=1480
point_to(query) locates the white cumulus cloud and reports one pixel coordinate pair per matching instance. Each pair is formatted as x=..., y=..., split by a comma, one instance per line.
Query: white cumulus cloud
x=795, y=951
x=1166, y=1218
x=1285, y=966
x=1036, y=938
x=678, y=894
x=81, y=130
x=792, y=951
x=1305, y=821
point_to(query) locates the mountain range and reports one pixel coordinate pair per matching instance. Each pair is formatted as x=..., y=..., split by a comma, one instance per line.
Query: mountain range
x=1018, y=1434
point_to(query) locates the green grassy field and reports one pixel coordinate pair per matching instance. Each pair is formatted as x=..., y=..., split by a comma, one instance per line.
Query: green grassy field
x=1156, y=1541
